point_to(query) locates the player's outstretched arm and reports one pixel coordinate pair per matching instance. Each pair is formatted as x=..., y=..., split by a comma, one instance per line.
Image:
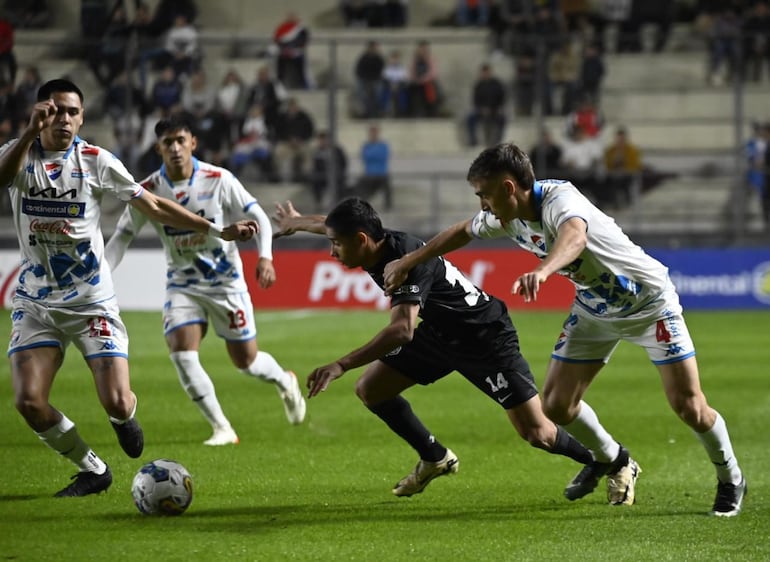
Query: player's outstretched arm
x=400, y=330
x=454, y=237
x=288, y=221
x=168, y=212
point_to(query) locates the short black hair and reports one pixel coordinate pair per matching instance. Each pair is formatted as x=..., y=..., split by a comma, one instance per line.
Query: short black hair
x=354, y=215
x=505, y=158
x=176, y=122
x=58, y=85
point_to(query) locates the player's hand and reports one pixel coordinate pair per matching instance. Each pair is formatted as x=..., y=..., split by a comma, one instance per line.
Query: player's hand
x=395, y=275
x=43, y=115
x=528, y=285
x=241, y=230
x=265, y=273
x=320, y=378
x=282, y=218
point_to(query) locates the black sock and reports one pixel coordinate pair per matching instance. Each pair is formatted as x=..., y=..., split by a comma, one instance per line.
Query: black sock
x=398, y=414
x=570, y=447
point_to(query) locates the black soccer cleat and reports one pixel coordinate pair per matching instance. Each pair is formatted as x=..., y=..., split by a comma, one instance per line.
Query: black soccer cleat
x=130, y=437
x=85, y=483
x=588, y=478
x=729, y=500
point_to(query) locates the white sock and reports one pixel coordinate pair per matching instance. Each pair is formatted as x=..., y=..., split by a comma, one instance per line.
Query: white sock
x=587, y=429
x=267, y=368
x=198, y=386
x=716, y=441
x=65, y=440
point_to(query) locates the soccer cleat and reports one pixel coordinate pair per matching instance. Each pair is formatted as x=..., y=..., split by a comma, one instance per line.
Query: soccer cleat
x=729, y=499
x=130, y=437
x=621, y=484
x=223, y=436
x=293, y=402
x=85, y=483
x=424, y=472
x=588, y=478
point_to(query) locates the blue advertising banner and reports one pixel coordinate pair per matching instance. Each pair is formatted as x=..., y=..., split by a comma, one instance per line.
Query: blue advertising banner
x=719, y=279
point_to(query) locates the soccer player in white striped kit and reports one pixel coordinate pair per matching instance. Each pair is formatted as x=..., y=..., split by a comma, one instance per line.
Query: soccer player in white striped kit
x=205, y=282
x=622, y=293
x=65, y=293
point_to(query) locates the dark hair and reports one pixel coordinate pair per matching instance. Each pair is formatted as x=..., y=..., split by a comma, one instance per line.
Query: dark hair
x=57, y=86
x=354, y=215
x=506, y=158
x=175, y=122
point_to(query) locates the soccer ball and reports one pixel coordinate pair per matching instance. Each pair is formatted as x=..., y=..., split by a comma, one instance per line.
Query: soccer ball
x=162, y=487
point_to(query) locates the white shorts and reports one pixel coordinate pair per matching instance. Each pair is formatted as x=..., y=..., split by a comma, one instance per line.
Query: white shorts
x=659, y=328
x=231, y=314
x=96, y=329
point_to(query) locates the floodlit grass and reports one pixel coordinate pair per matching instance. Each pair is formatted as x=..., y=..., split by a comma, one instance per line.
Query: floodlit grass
x=321, y=491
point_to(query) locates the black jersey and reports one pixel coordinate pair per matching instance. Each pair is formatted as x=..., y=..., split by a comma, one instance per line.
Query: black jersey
x=448, y=300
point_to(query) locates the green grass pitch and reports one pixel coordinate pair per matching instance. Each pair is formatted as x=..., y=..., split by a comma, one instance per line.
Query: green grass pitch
x=321, y=491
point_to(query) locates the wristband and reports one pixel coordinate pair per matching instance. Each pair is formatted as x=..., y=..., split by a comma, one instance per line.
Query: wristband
x=215, y=231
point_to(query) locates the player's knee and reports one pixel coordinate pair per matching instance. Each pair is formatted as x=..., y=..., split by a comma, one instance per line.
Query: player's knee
x=538, y=437
x=693, y=411
x=363, y=391
x=31, y=408
x=556, y=410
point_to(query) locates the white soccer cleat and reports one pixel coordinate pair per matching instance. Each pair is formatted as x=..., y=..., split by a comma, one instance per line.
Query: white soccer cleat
x=223, y=436
x=424, y=472
x=293, y=401
x=621, y=485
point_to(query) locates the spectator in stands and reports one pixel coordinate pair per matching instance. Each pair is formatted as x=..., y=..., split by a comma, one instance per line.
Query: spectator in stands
x=324, y=156
x=524, y=83
x=181, y=50
x=517, y=16
x=756, y=40
x=198, y=98
x=26, y=14
x=119, y=95
x=395, y=92
x=375, y=157
x=622, y=166
x=592, y=72
x=290, y=40
x=564, y=77
x=395, y=13
x=8, y=101
x=355, y=12
x=488, y=108
x=294, y=132
x=369, y=83
x=254, y=146
x=581, y=163
x=546, y=156
x=587, y=117
x=166, y=92
x=231, y=101
x=8, y=65
x=107, y=58
x=269, y=94
x=26, y=94
x=424, y=87
x=166, y=13
x=723, y=39
x=756, y=152
x=472, y=12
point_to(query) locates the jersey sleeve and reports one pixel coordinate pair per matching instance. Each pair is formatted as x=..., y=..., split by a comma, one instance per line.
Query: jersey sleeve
x=417, y=286
x=485, y=225
x=562, y=206
x=116, y=178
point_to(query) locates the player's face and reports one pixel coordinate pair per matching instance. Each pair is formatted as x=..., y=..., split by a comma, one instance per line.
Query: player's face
x=496, y=196
x=176, y=148
x=66, y=125
x=350, y=251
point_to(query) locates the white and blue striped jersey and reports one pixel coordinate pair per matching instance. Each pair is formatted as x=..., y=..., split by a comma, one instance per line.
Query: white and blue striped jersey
x=56, y=200
x=197, y=263
x=612, y=276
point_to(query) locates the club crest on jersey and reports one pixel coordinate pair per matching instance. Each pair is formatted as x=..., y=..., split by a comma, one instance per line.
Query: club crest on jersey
x=182, y=197
x=53, y=169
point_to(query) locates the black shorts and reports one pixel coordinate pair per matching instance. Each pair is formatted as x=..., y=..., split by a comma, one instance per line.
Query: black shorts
x=491, y=360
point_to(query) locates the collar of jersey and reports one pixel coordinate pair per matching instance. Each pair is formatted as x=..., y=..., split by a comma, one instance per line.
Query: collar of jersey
x=75, y=142
x=163, y=173
x=537, y=192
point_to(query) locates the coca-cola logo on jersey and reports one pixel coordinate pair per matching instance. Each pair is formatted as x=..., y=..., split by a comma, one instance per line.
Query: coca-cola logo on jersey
x=51, y=227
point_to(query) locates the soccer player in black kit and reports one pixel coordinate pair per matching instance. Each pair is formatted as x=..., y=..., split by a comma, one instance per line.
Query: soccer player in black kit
x=462, y=329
